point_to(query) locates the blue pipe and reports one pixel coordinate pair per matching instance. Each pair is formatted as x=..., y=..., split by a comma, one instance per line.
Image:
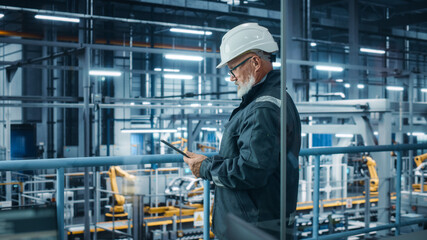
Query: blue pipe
x=398, y=192
x=89, y=162
x=206, y=208
x=60, y=201
x=316, y=197
x=358, y=149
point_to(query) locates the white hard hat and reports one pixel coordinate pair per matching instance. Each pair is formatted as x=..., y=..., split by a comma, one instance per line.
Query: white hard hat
x=245, y=37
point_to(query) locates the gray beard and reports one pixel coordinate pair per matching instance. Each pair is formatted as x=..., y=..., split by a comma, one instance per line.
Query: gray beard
x=246, y=87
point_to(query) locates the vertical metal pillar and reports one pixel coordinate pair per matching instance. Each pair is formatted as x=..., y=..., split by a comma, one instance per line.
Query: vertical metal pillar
x=384, y=170
x=398, y=190
x=283, y=42
x=60, y=201
x=412, y=78
x=206, y=209
x=367, y=205
x=353, y=39
x=316, y=197
x=86, y=129
x=97, y=202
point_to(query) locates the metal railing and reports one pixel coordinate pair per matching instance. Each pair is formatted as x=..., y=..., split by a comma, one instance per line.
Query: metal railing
x=61, y=163
x=317, y=152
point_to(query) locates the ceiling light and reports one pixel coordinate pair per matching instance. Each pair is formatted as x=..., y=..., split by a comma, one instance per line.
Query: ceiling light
x=343, y=135
x=347, y=85
x=329, y=68
x=209, y=104
x=303, y=134
x=56, y=18
x=171, y=70
x=196, y=105
x=313, y=44
x=177, y=76
x=424, y=90
x=166, y=70
x=145, y=103
x=1, y=15
x=360, y=86
x=182, y=129
x=183, y=57
x=369, y=50
x=228, y=79
x=147, y=130
x=340, y=80
x=394, y=88
x=376, y=133
x=277, y=64
x=107, y=73
x=189, y=31
x=417, y=134
x=209, y=129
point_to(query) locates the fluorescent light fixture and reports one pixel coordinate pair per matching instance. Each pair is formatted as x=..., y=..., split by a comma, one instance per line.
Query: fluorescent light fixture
x=1, y=15
x=106, y=73
x=145, y=103
x=303, y=134
x=147, y=130
x=339, y=80
x=166, y=70
x=56, y=18
x=376, y=133
x=328, y=68
x=183, y=57
x=132, y=104
x=196, y=105
x=277, y=64
x=177, y=76
x=424, y=90
x=182, y=129
x=360, y=86
x=171, y=70
x=313, y=44
x=343, y=135
x=394, y=88
x=417, y=134
x=209, y=104
x=347, y=85
x=369, y=50
x=209, y=129
x=189, y=31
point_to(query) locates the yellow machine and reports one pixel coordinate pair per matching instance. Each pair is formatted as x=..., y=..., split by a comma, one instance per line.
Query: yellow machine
x=118, y=210
x=373, y=182
x=418, y=161
x=181, y=141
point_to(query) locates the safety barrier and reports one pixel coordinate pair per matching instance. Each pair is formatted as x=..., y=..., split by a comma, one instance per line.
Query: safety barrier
x=61, y=163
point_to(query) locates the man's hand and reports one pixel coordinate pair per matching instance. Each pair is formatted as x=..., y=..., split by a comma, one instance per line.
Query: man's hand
x=194, y=161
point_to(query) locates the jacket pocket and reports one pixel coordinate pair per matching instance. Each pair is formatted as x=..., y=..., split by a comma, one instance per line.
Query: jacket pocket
x=249, y=211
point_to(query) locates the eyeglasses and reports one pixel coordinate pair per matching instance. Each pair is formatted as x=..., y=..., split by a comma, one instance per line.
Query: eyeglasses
x=238, y=65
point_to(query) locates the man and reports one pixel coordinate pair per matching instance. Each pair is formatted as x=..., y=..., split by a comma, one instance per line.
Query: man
x=246, y=173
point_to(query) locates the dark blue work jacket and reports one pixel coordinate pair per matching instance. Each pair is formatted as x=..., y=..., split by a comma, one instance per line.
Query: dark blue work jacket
x=246, y=172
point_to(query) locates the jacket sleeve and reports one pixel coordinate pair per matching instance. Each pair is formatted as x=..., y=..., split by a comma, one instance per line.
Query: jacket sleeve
x=259, y=151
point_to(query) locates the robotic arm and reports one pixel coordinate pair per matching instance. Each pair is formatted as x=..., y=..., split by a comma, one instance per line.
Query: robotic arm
x=118, y=210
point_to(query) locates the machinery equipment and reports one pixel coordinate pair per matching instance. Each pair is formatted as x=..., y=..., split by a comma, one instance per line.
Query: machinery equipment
x=118, y=211
x=419, y=161
x=373, y=182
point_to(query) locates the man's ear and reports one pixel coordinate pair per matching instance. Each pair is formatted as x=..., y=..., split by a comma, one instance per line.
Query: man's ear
x=257, y=63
